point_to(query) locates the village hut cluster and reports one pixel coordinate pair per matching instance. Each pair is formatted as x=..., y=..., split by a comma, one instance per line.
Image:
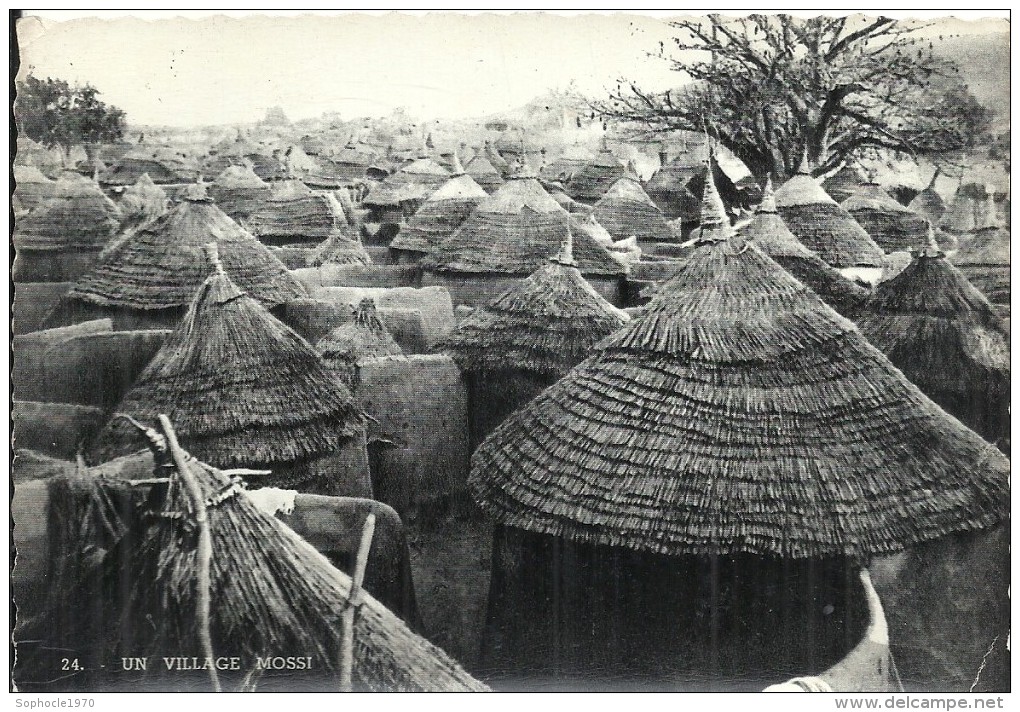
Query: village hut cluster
x=690, y=430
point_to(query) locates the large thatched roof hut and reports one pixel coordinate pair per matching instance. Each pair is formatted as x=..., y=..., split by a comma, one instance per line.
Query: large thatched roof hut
x=142, y=202
x=32, y=188
x=769, y=234
x=984, y=258
x=163, y=164
x=823, y=226
x=528, y=337
x=295, y=215
x=365, y=336
x=512, y=233
x=894, y=227
x=238, y=191
x=591, y=182
x=945, y=336
x=243, y=390
x=626, y=210
x=738, y=448
x=78, y=216
x=157, y=270
x=439, y=216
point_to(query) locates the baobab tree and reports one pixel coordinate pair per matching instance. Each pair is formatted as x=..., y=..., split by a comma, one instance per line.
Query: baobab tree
x=775, y=88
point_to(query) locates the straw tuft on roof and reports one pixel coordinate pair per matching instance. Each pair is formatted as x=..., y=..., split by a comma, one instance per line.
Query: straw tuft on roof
x=739, y=413
x=545, y=324
x=626, y=210
x=891, y=225
x=823, y=226
x=241, y=387
x=440, y=215
x=514, y=231
x=770, y=234
x=365, y=336
x=163, y=264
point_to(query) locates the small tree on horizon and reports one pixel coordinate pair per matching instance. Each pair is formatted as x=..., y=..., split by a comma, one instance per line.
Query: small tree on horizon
x=775, y=88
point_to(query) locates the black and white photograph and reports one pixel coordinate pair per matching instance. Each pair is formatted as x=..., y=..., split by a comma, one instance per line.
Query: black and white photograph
x=511, y=351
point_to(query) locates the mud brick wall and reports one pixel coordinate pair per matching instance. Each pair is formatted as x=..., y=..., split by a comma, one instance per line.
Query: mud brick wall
x=314, y=318
x=55, y=429
x=420, y=403
x=434, y=303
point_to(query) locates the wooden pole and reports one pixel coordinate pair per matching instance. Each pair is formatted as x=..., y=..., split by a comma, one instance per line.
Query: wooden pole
x=204, y=556
x=347, y=642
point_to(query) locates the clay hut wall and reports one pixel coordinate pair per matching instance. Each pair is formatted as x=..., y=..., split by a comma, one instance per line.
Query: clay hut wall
x=494, y=396
x=55, y=429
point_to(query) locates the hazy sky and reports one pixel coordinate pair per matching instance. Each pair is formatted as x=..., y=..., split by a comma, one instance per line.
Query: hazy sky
x=222, y=69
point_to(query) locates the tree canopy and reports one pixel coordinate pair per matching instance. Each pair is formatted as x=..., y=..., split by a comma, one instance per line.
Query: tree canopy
x=775, y=88
x=55, y=113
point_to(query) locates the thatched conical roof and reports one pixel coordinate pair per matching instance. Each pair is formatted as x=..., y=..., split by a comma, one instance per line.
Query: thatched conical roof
x=595, y=179
x=240, y=386
x=339, y=249
x=984, y=258
x=365, y=336
x=484, y=173
x=961, y=215
x=929, y=203
x=273, y=594
x=823, y=226
x=162, y=265
x=440, y=215
x=891, y=225
x=739, y=413
x=143, y=202
x=239, y=192
x=515, y=231
x=32, y=187
x=626, y=210
x=769, y=233
x=545, y=324
x=77, y=215
x=844, y=183
x=293, y=213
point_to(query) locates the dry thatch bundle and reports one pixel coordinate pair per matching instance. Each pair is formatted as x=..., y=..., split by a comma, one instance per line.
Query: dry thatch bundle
x=823, y=226
x=545, y=324
x=440, y=215
x=770, y=234
x=242, y=387
x=78, y=216
x=143, y=202
x=275, y=595
x=891, y=225
x=484, y=173
x=984, y=260
x=238, y=191
x=163, y=264
x=365, y=336
x=946, y=338
x=929, y=203
x=515, y=231
x=844, y=183
x=294, y=214
x=595, y=179
x=626, y=210
x=739, y=413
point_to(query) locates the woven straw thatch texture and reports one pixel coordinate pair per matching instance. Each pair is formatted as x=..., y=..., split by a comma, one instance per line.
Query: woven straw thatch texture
x=770, y=234
x=32, y=188
x=484, y=173
x=339, y=249
x=595, y=179
x=946, y=337
x=844, y=183
x=545, y=324
x=739, y=413
x=273, y=594
x=162, y=265
x=929, y=204
x=84, y=219
x=626, y=210
x=984, y=259
x=308, y=218
x=440, y=215
x=241, y=387
x=143, y=202
x=365, y=336
x=891, y=225
x=514, y=231
x=824, y=227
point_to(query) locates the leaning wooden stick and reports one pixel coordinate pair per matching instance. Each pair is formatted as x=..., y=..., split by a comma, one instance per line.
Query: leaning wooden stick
x=347, y=642
x=204, y=557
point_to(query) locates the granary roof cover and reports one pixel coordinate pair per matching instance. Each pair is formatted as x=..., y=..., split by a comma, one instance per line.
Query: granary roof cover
x=739, y=413
x=240, y=386
x=545, y=324
x=515, y=231
x=162, y=265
